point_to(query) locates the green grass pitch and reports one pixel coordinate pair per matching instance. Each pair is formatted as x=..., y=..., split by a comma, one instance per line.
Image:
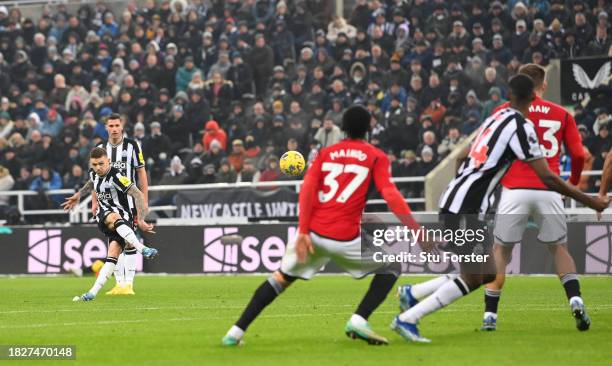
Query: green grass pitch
x=180, y=320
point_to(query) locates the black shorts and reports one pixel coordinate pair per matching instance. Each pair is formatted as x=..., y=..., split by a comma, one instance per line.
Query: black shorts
x=111, y=235
x=479, y=244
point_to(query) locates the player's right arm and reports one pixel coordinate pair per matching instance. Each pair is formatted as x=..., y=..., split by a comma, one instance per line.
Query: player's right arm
x=94, y=203
x=573, y=144
x=606, y=174
x=75, y=198
x=525, y=145
x=554, y=182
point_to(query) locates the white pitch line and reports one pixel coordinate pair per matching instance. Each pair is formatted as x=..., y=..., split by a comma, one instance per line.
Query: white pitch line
x=271, y=316
x=462, y=307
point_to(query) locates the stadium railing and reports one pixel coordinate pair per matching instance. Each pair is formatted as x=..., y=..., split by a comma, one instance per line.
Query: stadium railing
x=82, y=212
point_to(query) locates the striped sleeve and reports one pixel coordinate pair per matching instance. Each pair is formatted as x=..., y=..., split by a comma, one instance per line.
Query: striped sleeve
x=122, y=183
x=524, y=143
x=138, y=160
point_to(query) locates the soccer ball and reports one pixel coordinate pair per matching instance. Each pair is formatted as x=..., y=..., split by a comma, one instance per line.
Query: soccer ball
x=292, y=163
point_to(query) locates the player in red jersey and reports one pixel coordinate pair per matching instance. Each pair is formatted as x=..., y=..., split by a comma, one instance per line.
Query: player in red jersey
x=331, y=203
x=524, y=195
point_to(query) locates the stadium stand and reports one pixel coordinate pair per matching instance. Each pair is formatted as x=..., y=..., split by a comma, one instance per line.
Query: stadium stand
x=208, y=87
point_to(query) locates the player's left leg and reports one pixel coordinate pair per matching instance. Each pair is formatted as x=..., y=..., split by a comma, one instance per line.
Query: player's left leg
x=119, y=274
x=566, y=270
x=473, y=275
x=263, y=296
x=115, y=223
x=129, y=267
x=291, y=269
x=553, y=232
x=501, y=254
x=114, y=249
x=513, y=211
x=381, y=285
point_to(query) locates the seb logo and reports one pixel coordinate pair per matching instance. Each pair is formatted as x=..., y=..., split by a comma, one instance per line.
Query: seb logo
x=227, y=251
x=49, y=253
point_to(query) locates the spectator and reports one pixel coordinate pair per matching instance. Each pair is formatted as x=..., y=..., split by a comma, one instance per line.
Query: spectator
x=48, y=180
x=428, y=161
x=75, y=178
x=6, y=184
x=337, y=26
x=329, y=134
x=214, y=133
x=237, y=156
x=262, y=63
x=248, y=173
x=272, y=171
x=214, y=155
x=226, y=174
x=452, y=140
x=219, y=93
x=495, y=100
x=184, y=74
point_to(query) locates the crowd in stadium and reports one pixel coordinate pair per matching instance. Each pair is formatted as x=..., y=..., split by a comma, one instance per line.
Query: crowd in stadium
x=215, y=91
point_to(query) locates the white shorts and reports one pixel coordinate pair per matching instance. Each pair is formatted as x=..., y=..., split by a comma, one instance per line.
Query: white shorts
x=345, y=254
x=544, y=207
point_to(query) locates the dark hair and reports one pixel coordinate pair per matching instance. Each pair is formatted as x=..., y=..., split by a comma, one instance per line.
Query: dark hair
x=521, y=87
x=113, y=116
x=356, y=122
x=97, y=152
x=536, y=72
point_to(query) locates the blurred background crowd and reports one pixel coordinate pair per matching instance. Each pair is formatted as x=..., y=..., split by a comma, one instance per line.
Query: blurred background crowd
x=216, y=91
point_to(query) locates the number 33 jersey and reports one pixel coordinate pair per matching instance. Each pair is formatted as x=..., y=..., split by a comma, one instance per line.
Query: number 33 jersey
x=504, y=137
x=344, y=172
x=555, y=127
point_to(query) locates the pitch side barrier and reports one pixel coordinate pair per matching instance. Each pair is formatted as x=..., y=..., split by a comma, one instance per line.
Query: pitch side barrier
x=240, y=246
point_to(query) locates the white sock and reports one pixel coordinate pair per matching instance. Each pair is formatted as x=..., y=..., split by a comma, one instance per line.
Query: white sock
x=130, y=267
x=105, y=273
x=128, y=234
x=235, y=332
x=119, y=270
x=424, y=289
x=358, y=320
x=577, y=299
x=489, y=314
x=445, y=295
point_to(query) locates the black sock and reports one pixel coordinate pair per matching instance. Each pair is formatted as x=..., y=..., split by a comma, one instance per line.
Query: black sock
x=571, y=285
x=377, y=293
x=264, y=295
x=491, y=300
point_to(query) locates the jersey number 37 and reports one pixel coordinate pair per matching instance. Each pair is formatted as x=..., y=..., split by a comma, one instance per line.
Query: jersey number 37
x=331, y=181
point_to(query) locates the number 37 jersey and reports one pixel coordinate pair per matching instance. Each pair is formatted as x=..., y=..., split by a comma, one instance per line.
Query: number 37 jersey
x=344, y=172
x=554, y=127
x=504, y=137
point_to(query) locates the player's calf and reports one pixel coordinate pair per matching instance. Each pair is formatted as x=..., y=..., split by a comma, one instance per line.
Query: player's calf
x=263, y=296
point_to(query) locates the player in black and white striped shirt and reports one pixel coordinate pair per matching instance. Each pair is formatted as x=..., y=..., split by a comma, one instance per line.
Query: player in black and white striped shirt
x=126, y=156
x=503, y=137
x=113, y=214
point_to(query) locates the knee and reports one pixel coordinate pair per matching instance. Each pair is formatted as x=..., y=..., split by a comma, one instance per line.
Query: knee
x=111, y=219
x=283, y=280
x=489, y=277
